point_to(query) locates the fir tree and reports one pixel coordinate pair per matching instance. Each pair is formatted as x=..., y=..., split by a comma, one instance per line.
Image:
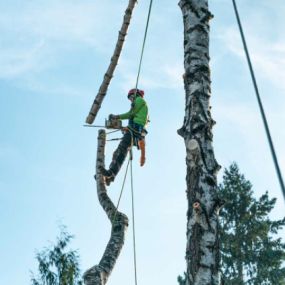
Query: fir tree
x=251, y=254
x=58, y=265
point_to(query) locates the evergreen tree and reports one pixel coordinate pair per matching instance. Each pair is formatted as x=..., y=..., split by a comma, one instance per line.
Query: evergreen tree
x=250, y=253
x=58, y=265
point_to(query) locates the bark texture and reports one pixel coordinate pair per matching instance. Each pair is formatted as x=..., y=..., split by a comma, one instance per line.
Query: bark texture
x=202, y=250
x=98, y=274
x=114, y=61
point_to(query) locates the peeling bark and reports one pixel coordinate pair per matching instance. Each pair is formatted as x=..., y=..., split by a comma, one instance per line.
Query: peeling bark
x=114, y=61
x=98, y=274
x=202, y=250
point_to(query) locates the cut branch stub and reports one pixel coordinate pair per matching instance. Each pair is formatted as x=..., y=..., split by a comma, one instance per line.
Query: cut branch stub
x=196, y=207
x=98, y=274
x=114, y=61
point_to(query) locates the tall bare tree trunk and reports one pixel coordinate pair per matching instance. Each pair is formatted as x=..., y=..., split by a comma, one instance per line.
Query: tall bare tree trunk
x=98, y=274
x=114, y=61
x=202, y=252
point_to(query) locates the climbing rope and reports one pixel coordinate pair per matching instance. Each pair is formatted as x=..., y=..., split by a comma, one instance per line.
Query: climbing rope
x=270, y=141
x=132, y=182
x=143, y=45
x=133, y=205
x=133, y=219
x=125, y=176
x=121, y=192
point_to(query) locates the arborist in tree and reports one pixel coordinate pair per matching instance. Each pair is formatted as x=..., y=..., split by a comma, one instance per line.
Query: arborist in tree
x=133, y=135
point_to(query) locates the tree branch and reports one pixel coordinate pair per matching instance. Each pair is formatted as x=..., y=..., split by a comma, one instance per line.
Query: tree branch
x=98, y=274
x=114, y=61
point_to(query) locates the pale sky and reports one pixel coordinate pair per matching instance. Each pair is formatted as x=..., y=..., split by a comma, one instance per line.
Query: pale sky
x=53, y=55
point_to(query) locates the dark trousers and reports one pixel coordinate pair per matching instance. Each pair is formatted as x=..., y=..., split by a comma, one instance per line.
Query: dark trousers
x=121, y=152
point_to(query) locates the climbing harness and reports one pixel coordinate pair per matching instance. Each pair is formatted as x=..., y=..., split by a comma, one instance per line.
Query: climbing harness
x=139, y=139
x=270, y=141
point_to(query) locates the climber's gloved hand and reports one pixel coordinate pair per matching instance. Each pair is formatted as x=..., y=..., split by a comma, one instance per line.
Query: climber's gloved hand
x=114, y=117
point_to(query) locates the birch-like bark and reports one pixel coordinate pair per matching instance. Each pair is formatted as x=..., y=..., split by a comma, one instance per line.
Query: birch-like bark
x=202, y=249
x=98, y=274
x=114, y=61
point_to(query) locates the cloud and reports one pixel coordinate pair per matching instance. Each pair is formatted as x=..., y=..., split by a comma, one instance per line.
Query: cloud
x=270, y=60
x=166, y=76
x=36, y=36
x=43, y=37
x=16, y=61
x=238, y=115
x=64, y=23
x=267, y=56
x=58, y=88
x=240, y=136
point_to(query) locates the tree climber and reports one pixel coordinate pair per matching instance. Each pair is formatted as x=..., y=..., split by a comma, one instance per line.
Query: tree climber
x=133, y=134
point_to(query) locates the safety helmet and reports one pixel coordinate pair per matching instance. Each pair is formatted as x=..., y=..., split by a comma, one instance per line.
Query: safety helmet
x=136, y=91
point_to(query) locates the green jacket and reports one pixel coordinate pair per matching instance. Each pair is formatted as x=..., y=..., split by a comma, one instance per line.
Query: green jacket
x=138, y=112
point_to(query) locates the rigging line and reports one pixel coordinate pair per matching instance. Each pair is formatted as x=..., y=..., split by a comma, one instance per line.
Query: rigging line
x=113, y=132
x=133, y=219
x=121, y=192
x=274, y=156
x=124, y=181
x=114, y=139
x=143, y=46
x=104, y=127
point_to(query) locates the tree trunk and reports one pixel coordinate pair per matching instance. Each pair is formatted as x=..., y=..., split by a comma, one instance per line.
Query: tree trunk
x=98, y=274
x=240, y=256
x=240, y=272
x=114, y=61
x=202, y=251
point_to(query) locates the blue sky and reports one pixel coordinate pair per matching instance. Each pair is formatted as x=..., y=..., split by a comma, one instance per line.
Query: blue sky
x=52, y=59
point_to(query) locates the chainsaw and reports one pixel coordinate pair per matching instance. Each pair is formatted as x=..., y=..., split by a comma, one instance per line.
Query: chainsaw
x=110, y=123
